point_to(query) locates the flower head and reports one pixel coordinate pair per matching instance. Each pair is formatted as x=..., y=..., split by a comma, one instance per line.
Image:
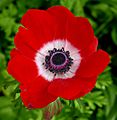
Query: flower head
x=55, y=56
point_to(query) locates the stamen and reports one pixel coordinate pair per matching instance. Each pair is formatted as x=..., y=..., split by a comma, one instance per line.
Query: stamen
x=58, y=61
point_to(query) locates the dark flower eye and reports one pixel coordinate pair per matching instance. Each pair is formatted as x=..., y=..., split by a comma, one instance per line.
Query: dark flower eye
x=58, y=61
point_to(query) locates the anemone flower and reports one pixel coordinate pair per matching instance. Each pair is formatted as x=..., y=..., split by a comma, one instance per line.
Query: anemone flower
x=55, y=55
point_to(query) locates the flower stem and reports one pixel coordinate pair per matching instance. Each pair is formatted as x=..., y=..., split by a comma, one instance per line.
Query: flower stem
x=52, y=109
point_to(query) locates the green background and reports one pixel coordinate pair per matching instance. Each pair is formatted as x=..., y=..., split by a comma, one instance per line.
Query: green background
x=101, y=103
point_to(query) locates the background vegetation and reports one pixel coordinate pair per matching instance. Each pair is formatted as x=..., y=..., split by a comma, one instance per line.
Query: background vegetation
x=101, y=103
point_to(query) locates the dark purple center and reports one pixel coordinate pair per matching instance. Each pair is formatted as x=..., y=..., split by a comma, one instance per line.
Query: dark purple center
x=58, y=58
x=58, y=61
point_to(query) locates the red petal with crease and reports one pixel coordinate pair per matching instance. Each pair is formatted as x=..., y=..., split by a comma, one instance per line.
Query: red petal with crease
x=77, y=30
x=22, y=68
x=61, y=15
x=36, y=95
x=42, y=25
x=22, y=42
x=71, y=88
x=14, y=52
x=89, y=49
x=88, y=85
x=94, y=64
x=80, y=33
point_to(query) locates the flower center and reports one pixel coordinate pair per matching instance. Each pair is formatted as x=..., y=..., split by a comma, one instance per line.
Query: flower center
x=58, y=61
x=58, y=58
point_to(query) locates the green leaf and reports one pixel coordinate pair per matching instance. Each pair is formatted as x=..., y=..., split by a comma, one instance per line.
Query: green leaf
x=113, y=112
x=95, y=98
x=67, y=3
x=2, y=62
x=78, y=8
x=12, y=10
x=4, y=3
x=114, y=35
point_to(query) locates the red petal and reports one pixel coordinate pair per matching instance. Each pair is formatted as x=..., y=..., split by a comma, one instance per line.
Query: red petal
x=77, y=30
x=14, y=52
x=80, y=32
x=22, y=42
x=88, y=85
x=89, y=49
x=41, y=23
x=94, y=64
x=36, y=95
x=61, y=15
x=71, y=88
x=22, y=68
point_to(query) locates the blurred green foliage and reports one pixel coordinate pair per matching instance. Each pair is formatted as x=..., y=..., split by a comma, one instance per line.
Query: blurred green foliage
x=101, y=103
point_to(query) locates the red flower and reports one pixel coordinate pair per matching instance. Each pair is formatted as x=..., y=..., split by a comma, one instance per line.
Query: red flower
x=55, y=56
